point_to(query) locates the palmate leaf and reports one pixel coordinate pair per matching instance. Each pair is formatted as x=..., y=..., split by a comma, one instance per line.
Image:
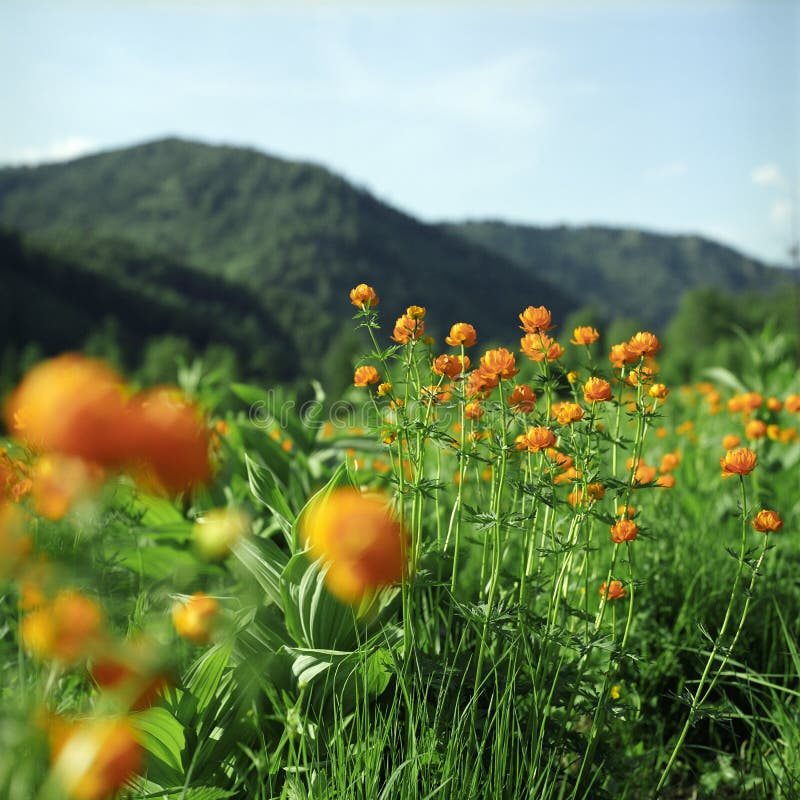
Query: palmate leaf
x=265, y=561
x=163, y=737
x=205, y=675
x=266, y=490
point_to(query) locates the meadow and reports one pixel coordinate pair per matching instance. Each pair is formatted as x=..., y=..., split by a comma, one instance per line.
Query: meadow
x=490, y=570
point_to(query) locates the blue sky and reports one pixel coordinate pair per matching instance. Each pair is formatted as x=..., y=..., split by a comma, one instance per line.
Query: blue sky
x=678, y=117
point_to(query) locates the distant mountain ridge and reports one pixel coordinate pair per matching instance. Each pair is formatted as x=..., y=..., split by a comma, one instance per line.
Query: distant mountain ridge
x=633, y=273
x=297, y=238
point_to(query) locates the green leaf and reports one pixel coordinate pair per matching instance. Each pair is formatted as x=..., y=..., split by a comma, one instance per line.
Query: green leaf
x=161, y=735
x=265, y=488
x=265, y=561
x=206, y=673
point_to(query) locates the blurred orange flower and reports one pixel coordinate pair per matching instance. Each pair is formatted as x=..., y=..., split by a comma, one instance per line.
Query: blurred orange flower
x=195, y=619
x=584, y=335
x=362, y=544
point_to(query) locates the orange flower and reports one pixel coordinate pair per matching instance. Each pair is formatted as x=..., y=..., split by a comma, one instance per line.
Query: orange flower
x=473, y=410
x=659, y=391
x=787, y=435
x=499, y=363
x=362, y=543
x=730, y=441
x=366, y=375
x=65, y=630
x=645, y=473
x=561, y=460
x=133, y=672
x=584, y=335
x=384, y=389
x=670, y=461
x=615, y=591
x=539, y=346
x=70, y=405
x=436, y=394
x=567, y=413
x=666, y=481
x=194, y=620
x=363, y=295
x=94, y=758
x=165, y=435
x=792, y=403
x=626, y=511
x=219, y=530
x=415, y=312
x=621, y=355
x=408, y=328
x=755, y=429
x=767, y=521
x=773, y=404
x=479, y=384
x=738, y=462
x=462, y=333
x=450, y=365
x=644, y=343
x=597, y=390
x=522, y=399
x=536, y=439
x=535, y=319
x=624, y=531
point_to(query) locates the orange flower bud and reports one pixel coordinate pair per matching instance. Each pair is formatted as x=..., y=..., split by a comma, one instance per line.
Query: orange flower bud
x=670, y=461
x=767, y=521
x=659, y=391
x=473, y=410
x=408, y=328
x=462, y=333
x=363, y=295
x=384, y=389
x=366, y=375
x=666, y=481
x=731, y=440
x=415, y=312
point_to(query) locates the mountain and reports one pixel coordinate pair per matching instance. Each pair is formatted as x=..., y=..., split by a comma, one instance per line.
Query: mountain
x=623, y=272
x=58, y=300
x=293, y=234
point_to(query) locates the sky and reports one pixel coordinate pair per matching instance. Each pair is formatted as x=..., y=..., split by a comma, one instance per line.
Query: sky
x=675, y=117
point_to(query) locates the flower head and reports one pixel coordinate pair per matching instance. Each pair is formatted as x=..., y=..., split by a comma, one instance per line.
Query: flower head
x=535, y=319
x=499, y=363
x=462, y=333
x=195, y=619
x=624, y=531
x=567, y=413
x=366, y=375
x=536, y=439
x=614, y=591
x=755, y=429
x=450, y=365
x=621, y=354
x=767, y=521
x=363, y=295
x=644, y=343
x=362, y=544
x=585, y=334
x=730, y=440
x=473, y=410
x=415, y=312
x=408, y=328
x=738, y=462
x=539, y=346
x=597, y=390
x=659, y=391
x=522, y=399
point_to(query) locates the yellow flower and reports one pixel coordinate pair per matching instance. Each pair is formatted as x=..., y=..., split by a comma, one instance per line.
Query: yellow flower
x=767, y=521
x=218, y=530
x=362, y=544
x=194, y=620
x=462, y=333
x=364, y=376
x=415, y=312
x=615, y=692
x=773, y=404
x=384, y=389
x=659, y=391
x=363, y=295
x=584, y=335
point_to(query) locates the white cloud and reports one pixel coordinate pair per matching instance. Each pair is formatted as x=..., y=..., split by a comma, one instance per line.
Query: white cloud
x=56, y=150
x=663, y=172
x=766, y=175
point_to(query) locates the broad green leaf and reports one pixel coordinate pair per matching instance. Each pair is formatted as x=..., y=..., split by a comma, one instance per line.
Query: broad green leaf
x=161, y=735
x=206, y=673
x=265, y=561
